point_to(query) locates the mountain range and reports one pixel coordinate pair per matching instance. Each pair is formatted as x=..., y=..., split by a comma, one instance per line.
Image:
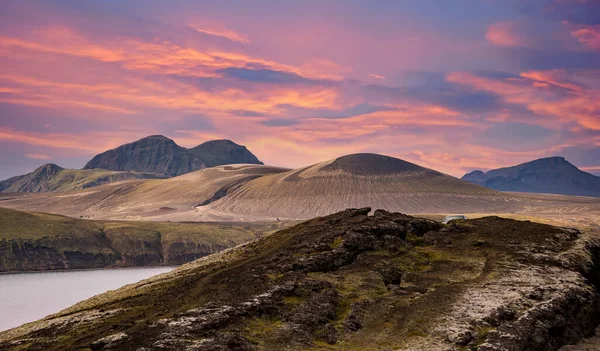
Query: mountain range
x=552, y=175
x=161, y=155
x=153, y=157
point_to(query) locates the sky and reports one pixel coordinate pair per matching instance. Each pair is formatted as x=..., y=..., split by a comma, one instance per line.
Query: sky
x=450, y=85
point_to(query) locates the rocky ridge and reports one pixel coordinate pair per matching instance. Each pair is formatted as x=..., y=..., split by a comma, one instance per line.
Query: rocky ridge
x=351, y=281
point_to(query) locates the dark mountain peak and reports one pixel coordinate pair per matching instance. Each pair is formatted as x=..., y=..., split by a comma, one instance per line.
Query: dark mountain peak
x=47, y=171
x=152, y=154
x=553, y=175
x=219, y=142
x=549, y=161
x=222, y=152
x=371, y=164
x=49, y=167
x=475, y=173
x=161, y=155
x=153, y=139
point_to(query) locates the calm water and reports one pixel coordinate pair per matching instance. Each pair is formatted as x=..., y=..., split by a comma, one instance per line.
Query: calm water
x=26, y=297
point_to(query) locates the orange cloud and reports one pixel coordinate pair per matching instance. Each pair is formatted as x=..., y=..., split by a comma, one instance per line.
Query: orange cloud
x=578, y=104
x=38, y=156
x=219, y=30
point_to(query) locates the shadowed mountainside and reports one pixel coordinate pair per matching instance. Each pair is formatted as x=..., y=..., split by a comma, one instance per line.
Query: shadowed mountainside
x=51, y=177
x=41, y=241
x=223, y=152
x=553, y=175
x=350, y=281
x=159, y=154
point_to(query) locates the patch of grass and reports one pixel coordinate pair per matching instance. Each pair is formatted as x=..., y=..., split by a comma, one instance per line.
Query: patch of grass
x=336, y=242
x=293, y=301
x=275, y=276
x=257, y=330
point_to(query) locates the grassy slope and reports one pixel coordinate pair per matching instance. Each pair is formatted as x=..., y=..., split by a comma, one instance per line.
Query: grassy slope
x=76, y=179
x=126, y=238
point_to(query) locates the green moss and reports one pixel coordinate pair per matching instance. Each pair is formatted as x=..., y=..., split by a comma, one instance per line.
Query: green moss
x=336, y=242
x=258, y=330
x=292, y=301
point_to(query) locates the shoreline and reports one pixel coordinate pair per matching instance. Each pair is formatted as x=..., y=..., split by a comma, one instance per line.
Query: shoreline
x=85, y=269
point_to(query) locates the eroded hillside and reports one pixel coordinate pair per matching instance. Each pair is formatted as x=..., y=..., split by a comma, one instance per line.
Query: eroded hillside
x=351, y=281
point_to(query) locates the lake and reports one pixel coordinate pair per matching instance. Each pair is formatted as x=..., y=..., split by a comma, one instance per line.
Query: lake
x=26, y=297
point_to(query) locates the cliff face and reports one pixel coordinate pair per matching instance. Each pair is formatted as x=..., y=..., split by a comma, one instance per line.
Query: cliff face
x=37, y=242
x=351, y=281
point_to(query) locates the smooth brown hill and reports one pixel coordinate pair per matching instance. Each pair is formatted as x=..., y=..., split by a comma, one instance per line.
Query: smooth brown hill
x=157, y=199
x=359, y=180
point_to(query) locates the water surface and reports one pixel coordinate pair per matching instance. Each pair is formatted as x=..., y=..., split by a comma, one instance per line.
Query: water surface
x=26, y=297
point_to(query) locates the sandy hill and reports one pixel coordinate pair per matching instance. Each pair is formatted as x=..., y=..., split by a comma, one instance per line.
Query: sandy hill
x=51, y=177
x=159, y=154
x=358, y=180
x=553, y=175
x=157, y=199
x=350, y=281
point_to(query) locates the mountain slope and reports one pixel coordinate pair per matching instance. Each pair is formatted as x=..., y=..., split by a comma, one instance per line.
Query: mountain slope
x=223, y=152
x=159, y=154
x=553, y=175
x=360, y=180
x=51, y=177
x=154, y=154
x=350, y=281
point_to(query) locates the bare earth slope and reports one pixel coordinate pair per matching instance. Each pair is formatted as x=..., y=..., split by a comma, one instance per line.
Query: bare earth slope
x=159, y=199
x=352, y=282
x=358, y=180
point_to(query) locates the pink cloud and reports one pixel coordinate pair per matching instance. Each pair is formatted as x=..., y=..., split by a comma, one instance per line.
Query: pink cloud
x=212, y=27
x=505, y=34
x=588, y=36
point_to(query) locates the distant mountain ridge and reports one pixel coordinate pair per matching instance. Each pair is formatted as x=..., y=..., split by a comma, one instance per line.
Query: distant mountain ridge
x=552, y=175
x=152, y=157
x=161, y=155
x=50, y=177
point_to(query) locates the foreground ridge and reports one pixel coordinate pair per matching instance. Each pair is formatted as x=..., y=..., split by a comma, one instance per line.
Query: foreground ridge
x=352, y=281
